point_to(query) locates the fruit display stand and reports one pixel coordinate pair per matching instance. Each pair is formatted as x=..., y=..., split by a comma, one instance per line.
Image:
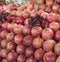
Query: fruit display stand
x=30, y=32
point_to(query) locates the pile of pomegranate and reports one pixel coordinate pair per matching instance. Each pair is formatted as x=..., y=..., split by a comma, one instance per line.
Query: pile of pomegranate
x=30, y=33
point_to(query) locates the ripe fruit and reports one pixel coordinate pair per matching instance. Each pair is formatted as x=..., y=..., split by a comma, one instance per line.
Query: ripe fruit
x=10, y=36
x=49, y=57
x=51, y=17
x=19, y=20
x=18, y=39
x=3, y=34
x=4, y=60
x=57, y=48
x=47, y=33
x=48, y=9
x=21, y=58
x=10, y=27
x=40, y=1
x=4, y=25
x=54, y=26
x=49, y=3
x=58, y=59
x=37, y=42
x=55, y=8
x=42, y=6
x=26, y=30
x=4, y=43
x=3, y=53
x=36, y=31
x=18, y=29
x=29, y=51
x=58, y=1
x=48, y=45
x=20, y=49
x=38, y=54
x=27, y=41
x=57, y=35
x=11, y=46
x=11, y=56
x=31, y=59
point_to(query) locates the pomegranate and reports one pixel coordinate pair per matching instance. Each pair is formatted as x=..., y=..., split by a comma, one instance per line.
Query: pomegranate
x=21, y=58
x=26, y=30
x=54, y=26
x=49, y=3
x=40, y=1
x=58, y=59
x=38, y=54
x=55, y=8
x=49, y=57
x=3, y=34
x=51, y=17
x=11, y=57
x=20, y=49
x=29, y=51
x=57, y=35
x=18, y=29
x=36, y=31
x=47, y=33
x=49, y=45
x=10, y=36
x=57, y=48
x=27, y=41
x=4, y=43
x=37, y=42
x=11, y=46
x=31, y=59
x=18, y=39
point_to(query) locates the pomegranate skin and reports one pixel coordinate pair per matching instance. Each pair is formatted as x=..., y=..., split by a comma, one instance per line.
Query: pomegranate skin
x=47, y=33
x=21, y=58
x=49, y=3
x=54, y=26
x=57, y=35
x=26, y=30
x=36, y=31
x=58, y=59
x=48, y=45
x=51, y=17
x=57, y=49
x=37, y=42
x=18, y=39
x=49, y=57
x=38, y=54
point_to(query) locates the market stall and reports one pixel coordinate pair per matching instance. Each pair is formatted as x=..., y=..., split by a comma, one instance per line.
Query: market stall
x=30, y=31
